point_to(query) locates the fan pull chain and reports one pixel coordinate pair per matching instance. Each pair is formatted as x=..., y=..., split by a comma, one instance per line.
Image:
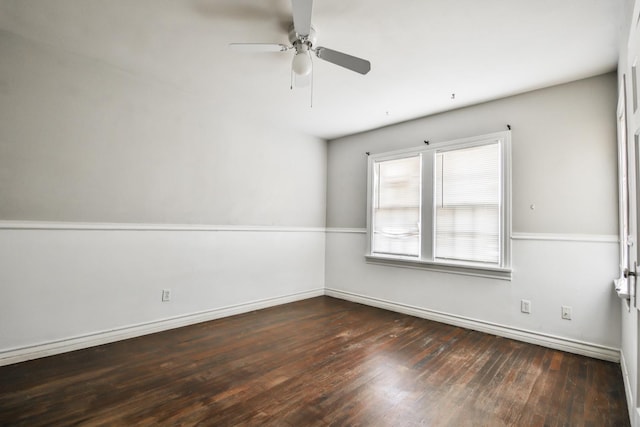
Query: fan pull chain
x=311, y=95
x=291, y=79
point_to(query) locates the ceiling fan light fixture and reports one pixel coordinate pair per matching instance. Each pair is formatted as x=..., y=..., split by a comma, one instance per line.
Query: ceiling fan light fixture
x=302, y=63
x=302, y=39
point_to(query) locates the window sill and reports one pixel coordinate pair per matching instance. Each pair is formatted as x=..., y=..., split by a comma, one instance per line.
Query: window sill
x=441, y=267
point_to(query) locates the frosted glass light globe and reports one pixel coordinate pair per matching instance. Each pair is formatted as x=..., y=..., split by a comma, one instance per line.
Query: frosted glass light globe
x=301, y=64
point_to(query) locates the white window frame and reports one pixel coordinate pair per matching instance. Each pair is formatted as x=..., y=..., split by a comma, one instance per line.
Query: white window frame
x=426, y=259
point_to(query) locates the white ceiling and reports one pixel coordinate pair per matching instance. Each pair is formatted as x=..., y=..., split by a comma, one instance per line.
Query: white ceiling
x=421, y=51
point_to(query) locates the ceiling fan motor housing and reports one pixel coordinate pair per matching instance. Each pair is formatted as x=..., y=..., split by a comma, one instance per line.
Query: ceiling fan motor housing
x=300, y=39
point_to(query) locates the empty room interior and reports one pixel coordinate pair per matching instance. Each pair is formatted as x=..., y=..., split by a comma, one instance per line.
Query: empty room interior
x=291, y=213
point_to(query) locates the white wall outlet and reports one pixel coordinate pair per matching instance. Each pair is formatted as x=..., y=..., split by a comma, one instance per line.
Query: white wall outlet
x=166, y=295
x=566, y=312
x=525, y=306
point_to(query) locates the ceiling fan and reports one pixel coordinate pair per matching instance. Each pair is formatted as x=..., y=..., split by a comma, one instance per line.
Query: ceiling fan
x=302, y=37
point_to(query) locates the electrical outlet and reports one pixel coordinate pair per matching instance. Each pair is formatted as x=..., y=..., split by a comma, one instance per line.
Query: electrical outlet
x=566, y=312
x=525, y=306
x=166, y=295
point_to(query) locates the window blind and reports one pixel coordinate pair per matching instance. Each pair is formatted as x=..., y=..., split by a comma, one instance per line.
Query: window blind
x=467, y=205
x=396, y=207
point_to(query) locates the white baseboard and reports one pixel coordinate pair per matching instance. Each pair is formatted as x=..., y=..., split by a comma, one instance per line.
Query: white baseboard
x=627, y=388
x=104, y=337
x=545, y=340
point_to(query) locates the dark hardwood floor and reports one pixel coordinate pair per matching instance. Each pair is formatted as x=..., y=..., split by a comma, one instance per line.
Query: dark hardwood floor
x=316, y=362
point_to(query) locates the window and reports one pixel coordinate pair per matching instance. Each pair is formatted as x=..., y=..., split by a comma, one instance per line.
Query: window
x=443, y=207
x=396, y=207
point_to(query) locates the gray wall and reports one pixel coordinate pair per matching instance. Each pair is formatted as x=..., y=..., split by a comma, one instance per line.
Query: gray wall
x=564, y=156
x=81, y=140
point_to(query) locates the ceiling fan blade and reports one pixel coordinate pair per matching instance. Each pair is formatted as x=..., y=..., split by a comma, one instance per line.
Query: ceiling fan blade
x=349, y=62
x=302, y=16
x=258, y=47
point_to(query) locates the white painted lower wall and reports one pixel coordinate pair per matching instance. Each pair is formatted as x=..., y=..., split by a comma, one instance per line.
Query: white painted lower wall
x=69, y=286
x=549, y=270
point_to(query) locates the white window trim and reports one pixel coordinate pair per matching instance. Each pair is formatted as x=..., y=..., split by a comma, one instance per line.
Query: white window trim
x=502, y=271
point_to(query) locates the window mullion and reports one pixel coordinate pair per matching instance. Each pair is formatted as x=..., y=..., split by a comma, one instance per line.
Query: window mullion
x=426, y=206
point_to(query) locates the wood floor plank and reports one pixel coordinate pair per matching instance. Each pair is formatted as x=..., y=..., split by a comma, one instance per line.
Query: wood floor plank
x=316, y=362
